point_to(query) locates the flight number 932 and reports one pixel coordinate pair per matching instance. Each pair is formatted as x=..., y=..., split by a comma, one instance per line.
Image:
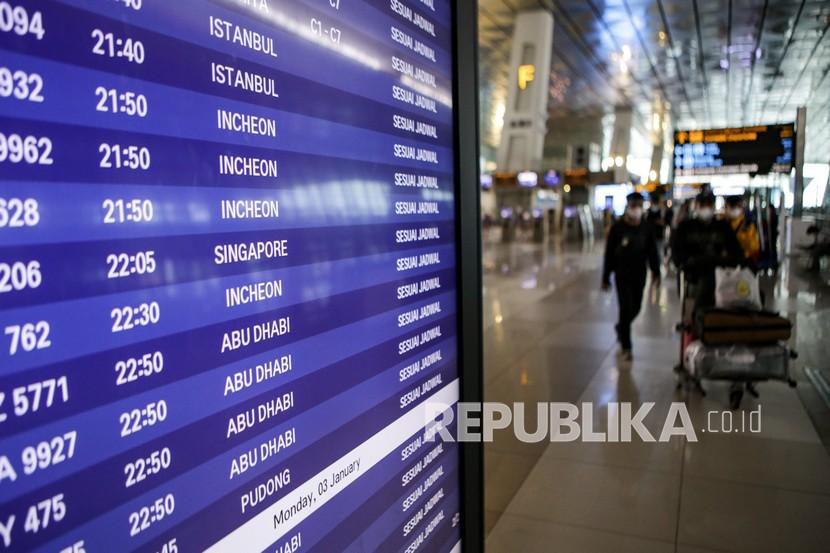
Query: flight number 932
x=21, y=85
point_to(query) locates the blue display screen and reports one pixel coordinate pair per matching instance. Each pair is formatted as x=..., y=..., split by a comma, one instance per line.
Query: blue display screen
x=227, y=276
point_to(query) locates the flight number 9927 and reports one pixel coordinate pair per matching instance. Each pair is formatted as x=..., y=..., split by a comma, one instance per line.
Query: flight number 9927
x=49, y=453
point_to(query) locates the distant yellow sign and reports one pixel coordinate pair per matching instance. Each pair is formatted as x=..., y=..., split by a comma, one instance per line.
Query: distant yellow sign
x=737, y=134
x=527, y=73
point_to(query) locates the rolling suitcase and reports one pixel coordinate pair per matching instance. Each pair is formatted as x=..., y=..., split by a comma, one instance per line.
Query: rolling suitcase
x=718, y=326
x=738, y=362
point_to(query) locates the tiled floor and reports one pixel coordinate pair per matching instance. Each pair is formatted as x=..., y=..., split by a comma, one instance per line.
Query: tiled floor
x=549, y=337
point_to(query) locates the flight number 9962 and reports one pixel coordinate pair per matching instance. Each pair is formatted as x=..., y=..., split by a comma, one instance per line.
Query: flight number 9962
x=31, y=150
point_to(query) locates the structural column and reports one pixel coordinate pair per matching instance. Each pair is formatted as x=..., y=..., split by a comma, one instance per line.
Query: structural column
x=800, y=139
x=526, y=112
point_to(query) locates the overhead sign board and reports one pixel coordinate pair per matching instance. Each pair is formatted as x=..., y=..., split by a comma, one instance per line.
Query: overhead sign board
x=760, y=149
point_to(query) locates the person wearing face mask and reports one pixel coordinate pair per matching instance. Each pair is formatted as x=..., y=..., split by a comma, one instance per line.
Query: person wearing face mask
x=745, y=231
x=656, y=216
x=660, y=217
x=701, y=243
x=630, y=250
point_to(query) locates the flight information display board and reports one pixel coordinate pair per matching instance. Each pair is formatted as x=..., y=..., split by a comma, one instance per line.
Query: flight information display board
x=227, y=276
x=760, y=149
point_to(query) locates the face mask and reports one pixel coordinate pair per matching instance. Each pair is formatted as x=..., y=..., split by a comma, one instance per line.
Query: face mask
x=735, y=213
x=705, y=214
x=635, y=213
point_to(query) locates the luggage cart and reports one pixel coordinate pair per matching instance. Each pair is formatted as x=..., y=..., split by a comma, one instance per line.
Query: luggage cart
x=741, y=364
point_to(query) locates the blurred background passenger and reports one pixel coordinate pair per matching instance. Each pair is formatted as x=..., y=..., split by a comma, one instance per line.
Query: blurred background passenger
x=608, y=220
x=746, y=231
x=685, y=212
x=660, y=217
x=700, y=244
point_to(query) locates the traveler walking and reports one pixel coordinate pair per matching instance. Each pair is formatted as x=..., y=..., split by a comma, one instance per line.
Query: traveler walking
x=746, y=231
x=700, y=244
x=631, y=249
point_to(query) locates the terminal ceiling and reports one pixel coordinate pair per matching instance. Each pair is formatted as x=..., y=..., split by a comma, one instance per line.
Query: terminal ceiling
x=707, y=63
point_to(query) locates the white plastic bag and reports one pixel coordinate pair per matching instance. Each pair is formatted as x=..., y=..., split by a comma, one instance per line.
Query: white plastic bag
x=736, y=287
x=692, y=353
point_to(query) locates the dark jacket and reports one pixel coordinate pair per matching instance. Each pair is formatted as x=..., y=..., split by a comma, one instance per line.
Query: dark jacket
x=660, y=219
x=629, y=250
x=698, y=247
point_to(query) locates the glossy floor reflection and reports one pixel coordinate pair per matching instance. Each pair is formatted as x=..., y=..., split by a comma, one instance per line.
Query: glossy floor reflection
x=549, y=337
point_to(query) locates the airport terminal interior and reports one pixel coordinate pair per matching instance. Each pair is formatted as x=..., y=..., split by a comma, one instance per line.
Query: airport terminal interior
x=623, y=76
x=261, y=259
